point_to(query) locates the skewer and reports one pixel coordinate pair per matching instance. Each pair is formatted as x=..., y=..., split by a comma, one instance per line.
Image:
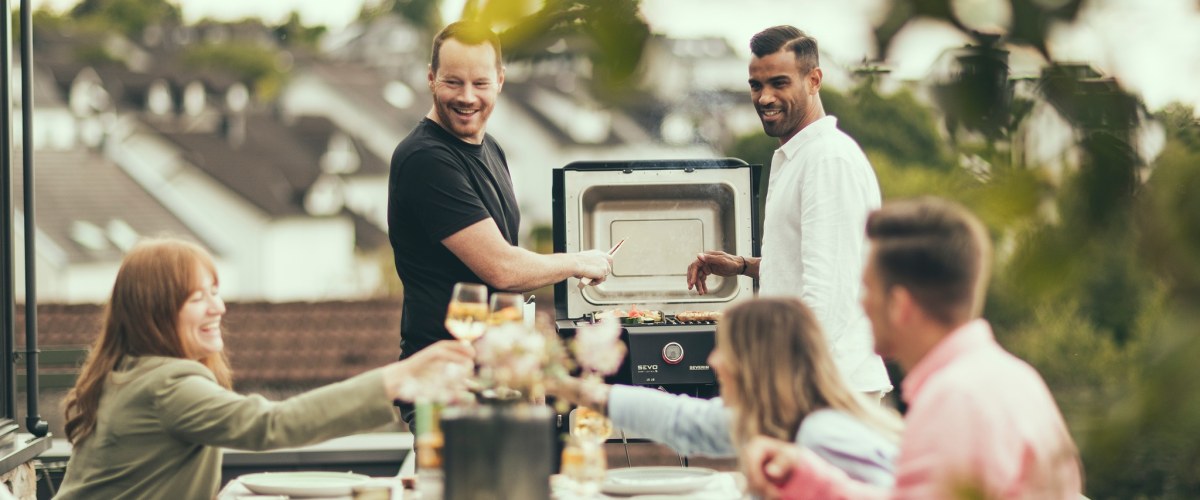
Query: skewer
x=613, y=251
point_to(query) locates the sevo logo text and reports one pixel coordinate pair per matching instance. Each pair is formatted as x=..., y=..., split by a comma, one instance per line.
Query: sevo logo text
x=647, y=368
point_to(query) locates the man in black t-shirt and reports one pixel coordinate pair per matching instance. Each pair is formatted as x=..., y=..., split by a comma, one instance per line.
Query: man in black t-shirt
x=452, y=215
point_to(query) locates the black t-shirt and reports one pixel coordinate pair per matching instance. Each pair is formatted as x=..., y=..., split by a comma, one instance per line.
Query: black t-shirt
x=439, y=185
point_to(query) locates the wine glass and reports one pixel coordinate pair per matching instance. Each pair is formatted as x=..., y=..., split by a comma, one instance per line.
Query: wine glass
x=505, y=307
x=591, y=425
x=584, y=465
x=466, y=317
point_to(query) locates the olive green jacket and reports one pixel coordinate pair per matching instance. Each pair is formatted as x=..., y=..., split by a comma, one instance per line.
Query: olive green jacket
x=162, y=421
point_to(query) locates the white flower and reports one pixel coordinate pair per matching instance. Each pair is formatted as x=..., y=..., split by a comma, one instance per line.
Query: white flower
x=512, y=355
x=598, y=347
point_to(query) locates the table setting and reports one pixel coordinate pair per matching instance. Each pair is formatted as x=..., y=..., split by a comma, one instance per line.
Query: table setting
x=634, y=483
x=496, y=440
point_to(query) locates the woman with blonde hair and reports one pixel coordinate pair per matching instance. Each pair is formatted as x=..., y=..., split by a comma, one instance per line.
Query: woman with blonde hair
x=777, y=379
x=153, y=404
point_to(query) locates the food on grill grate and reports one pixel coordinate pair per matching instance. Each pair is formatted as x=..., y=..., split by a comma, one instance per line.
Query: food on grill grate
x=694, y=316
x=633, y=316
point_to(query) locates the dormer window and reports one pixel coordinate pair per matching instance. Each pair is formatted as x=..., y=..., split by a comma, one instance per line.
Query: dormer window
x=158, y=99
x=325, y=197
x=88, y=235
x=87, y=96
x=193, y=99
x=121, y=234
x=237, y=97
x=340, y=156
x=398, y=94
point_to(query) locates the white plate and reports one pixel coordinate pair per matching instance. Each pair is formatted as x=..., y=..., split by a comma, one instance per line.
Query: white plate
x=652, y=480
x=303, y=484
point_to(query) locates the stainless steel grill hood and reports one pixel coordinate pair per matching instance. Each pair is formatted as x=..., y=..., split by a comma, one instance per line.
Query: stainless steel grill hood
x=667, y=212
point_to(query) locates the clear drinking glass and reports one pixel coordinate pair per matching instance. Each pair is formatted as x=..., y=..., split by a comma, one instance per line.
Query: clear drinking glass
x=584, y=466
x=466, y=317
x=506, y=307
x=591, y=425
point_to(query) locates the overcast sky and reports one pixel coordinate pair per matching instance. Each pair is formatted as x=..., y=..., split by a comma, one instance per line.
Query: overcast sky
x=1148, y=44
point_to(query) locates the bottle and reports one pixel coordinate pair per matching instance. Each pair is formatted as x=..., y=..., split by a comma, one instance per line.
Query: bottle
x=429, y=443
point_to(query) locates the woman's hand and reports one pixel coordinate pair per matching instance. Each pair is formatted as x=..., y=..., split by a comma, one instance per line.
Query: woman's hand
x=580, y=392
x=447, y=359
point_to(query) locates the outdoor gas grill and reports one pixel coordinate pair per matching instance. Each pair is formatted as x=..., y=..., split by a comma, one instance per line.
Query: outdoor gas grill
x=667, y=212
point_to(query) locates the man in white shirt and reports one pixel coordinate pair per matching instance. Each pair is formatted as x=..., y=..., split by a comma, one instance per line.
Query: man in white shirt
x=820, y=190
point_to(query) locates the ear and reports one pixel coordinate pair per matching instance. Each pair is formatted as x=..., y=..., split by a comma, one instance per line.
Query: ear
x=901, y=308
x=430, y=77
x=500, y=79
x=815, y=77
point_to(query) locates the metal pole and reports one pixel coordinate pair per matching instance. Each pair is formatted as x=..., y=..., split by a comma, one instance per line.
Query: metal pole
x=33, y=420
x=7, y=283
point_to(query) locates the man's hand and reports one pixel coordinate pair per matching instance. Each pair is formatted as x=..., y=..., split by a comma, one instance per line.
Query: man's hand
x=712, y=262
x=770, y=464
x=594, y=265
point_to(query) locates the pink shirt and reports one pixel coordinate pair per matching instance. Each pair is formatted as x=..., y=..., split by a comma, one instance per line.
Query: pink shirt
x=980, y=420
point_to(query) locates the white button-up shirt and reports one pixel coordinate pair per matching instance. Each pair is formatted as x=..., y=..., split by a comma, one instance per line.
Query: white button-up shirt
x=814, y=245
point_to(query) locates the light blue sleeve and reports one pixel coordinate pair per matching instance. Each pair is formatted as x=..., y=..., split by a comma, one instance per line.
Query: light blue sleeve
x=850, y=445
x=690, y=426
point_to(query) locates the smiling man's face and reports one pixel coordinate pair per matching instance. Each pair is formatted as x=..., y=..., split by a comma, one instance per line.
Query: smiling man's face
x=465, y=88
x=783, y=94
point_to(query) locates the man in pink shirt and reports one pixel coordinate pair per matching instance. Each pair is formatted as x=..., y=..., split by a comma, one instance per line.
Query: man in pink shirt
x=981, y=422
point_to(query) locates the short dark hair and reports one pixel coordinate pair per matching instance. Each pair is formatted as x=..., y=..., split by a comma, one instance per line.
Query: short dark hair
x=935, y=249
x=784, y=37
x=467, y=32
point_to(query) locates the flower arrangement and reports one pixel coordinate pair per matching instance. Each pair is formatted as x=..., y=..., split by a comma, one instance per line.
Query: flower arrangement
x=515, y=360
x=598, y=348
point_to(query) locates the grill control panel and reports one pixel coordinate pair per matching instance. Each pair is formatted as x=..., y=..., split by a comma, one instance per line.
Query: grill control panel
x=670, y=355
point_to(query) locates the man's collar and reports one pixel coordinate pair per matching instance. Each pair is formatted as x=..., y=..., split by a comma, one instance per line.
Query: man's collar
x=965, y=338
x=806, y=134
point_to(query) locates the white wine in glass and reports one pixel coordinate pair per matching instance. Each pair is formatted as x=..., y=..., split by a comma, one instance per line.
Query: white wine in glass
x=505, y=307
x=591, y=425
x=466, y=317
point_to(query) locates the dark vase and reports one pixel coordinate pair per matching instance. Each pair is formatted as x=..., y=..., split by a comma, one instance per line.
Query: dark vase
x=498, y=451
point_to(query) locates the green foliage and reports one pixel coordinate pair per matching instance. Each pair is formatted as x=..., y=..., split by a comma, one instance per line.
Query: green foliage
x=293, y=33
x=1073, y=356
x=248, y=63
x=129, y=17
x=95, y=55
x=423, y=13
x=895, y=125
x=610, y=33
x=1169, y=210
x=755, y=148
x=541, y=239
x=46, y=20
x=1145, y=443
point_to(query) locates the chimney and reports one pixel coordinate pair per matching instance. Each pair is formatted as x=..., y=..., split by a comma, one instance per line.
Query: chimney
x=233, y=121
x=233, y=128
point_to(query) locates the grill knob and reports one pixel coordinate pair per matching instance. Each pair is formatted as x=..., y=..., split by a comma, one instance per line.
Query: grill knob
x=672, y=353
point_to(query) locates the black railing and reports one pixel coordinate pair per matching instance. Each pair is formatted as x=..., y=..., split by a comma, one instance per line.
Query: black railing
x=33, y=419
x=33, y=422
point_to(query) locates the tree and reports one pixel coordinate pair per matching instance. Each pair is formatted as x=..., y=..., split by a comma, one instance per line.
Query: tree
x=129, y=17
x=248, y=63
x=293, y=33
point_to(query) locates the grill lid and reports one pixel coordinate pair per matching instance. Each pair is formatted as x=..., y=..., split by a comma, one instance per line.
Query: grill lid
x=667, y=212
